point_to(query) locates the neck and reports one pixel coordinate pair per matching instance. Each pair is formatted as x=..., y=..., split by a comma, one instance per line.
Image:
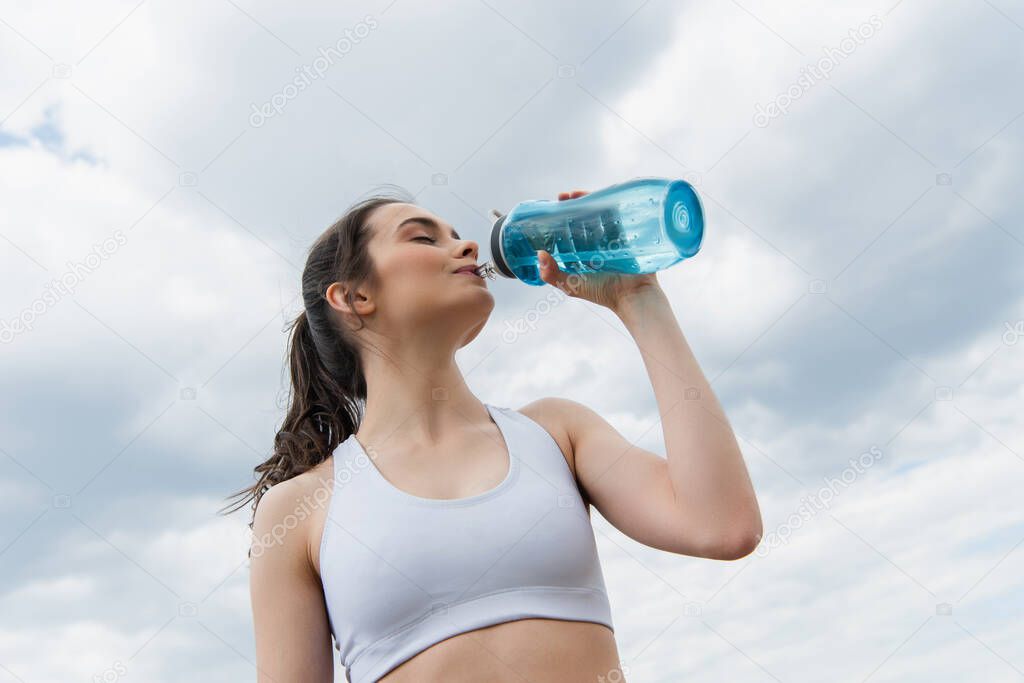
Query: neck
x=416, y=393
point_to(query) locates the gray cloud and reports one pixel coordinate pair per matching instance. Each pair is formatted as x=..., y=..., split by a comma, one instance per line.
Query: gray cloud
x=148, y=131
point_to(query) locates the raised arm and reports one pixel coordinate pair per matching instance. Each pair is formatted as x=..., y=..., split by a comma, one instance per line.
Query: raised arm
x=699, y=499
x=293, y=638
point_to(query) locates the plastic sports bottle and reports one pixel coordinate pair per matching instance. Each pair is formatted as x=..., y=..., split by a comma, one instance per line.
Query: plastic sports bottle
x=638, y=226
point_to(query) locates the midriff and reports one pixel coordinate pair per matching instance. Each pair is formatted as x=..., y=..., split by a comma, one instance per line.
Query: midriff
x=537, y=650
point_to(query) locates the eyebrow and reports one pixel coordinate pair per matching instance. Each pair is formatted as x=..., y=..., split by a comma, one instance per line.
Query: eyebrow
x=430, y=222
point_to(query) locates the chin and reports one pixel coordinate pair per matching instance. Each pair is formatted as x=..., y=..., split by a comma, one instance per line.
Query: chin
x=484, y=314
x=474, y=333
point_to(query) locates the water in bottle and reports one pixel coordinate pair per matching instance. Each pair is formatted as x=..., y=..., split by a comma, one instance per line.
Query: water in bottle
x=638, y=226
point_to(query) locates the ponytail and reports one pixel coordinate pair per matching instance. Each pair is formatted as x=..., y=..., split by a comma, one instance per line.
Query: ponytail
x=328, y=386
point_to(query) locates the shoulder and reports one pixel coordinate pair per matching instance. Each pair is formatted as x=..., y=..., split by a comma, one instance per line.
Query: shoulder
x=281, y=499
x=561, y=418
x=565, y=413
x=287, y=511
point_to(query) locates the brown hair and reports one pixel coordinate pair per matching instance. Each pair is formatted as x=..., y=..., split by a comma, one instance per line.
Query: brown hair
x=327, y=381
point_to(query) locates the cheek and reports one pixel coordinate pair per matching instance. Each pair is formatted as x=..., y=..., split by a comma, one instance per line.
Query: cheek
x=400, y=261
x=410, y=274
x=413, y=286
x=415, y=264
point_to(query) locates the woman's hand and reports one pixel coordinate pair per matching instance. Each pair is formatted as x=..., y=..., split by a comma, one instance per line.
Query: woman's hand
x=603, y=288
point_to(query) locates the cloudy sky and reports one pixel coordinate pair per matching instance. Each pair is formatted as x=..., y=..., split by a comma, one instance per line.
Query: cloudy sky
x=858, y=303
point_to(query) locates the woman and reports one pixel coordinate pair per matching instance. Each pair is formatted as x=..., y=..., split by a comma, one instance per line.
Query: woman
x=437, y=537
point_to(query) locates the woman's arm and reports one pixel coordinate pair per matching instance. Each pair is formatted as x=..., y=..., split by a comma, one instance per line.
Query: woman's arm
x=697, y=501
x=293, y=638
x=713, y=493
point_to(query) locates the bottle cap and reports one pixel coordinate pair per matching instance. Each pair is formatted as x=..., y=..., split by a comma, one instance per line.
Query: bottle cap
x=497, y=252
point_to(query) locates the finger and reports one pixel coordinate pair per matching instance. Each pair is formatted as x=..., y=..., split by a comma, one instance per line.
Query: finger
x=572, y=194
x=549, y=270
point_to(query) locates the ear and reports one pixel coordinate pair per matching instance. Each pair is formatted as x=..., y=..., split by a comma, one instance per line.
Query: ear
x=336, y=296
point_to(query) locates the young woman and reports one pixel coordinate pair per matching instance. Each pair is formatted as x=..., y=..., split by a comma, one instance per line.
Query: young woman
x=439, y=537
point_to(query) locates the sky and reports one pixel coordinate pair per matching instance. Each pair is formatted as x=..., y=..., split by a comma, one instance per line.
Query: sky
x=857, y=303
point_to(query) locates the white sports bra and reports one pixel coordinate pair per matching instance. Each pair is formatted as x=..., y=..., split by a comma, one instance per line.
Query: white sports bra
x=401, y=573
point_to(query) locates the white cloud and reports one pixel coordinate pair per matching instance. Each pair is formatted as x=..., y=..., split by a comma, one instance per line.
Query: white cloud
x=195, y=298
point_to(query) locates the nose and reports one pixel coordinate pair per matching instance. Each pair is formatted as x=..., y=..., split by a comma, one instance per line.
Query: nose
x=468, y=247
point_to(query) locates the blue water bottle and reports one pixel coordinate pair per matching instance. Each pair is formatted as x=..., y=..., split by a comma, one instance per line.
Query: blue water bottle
x=638, y=226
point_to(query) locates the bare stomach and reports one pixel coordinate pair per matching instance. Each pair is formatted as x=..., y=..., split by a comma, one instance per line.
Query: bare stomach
x=537, y=650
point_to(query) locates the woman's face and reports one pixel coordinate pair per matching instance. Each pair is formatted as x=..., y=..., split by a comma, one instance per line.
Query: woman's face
x=416, y=255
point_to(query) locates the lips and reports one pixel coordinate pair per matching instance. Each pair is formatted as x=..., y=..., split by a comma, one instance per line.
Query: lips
x=469, y=270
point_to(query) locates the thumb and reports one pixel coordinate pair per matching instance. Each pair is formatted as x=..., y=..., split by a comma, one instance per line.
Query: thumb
x=549, y=270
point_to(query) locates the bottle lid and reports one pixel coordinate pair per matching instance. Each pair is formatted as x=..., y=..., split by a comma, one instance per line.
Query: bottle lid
x=497, y=251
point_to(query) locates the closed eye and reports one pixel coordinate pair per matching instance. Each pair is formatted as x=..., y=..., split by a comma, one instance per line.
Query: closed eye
x=424, y=237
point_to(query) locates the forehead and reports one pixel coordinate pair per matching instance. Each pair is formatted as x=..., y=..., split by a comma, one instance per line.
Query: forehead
x=385, y=218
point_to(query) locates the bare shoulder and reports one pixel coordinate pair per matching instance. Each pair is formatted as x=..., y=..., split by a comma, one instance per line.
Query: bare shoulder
x=557, y=415
x=290, y=514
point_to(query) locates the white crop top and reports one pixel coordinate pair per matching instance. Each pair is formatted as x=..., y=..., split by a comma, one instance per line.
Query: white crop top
x=401, y=573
